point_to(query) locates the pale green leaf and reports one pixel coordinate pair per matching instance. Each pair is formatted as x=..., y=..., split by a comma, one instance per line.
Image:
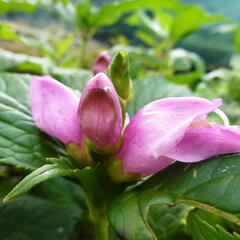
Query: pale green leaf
x=39, y=175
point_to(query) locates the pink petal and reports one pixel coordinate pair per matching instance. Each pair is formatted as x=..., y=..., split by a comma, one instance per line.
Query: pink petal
x=102, y=62
x=54, y=109
x=100, y=112
x=158, y=128
x=200, y=143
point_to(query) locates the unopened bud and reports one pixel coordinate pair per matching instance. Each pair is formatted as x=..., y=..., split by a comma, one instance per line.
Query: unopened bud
x=100, y=113
x=120, y=76
x=102, y=62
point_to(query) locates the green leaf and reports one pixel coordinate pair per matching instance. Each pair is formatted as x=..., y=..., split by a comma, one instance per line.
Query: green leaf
x=202, y=230
x=150, y=27
x=188, y=67
x=29, y=218
x=129, y=224
x=73, y=78
x=21, y=143
x=16, y=5
x=16, y=87
x=89, y=17
x=211, y=185
x=111, y=12
x=7, y=33
x=66, y=11
x=41, y=174
x=61, y=191
x=212, y=182
x=85, y=15
x=153, y=87
x=168, y=222
x=195, y=17
x=23, y=63
x=63, y=46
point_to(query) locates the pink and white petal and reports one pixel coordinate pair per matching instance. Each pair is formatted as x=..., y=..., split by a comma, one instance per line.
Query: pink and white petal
x=200, y=143
x=55, y=109
x=158, y=128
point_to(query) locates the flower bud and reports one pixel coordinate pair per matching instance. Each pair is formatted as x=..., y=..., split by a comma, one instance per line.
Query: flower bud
x=101, y=63
x=120, y=76
x=100, y=114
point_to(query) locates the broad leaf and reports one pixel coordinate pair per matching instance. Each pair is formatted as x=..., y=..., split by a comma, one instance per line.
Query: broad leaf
x=13, y=62
x=212, y=185
x=201, y=230
x=148, y=26
x=7, y=33
x=188, y=67
x=29, y=218
x=41, y=174
x=195, y=17
x=23, y=63
x=168, y=222
x=129, y=224
x=61, y=191
x=73, y=78
x=16, y=5
x=87, y=16
x=110, y=12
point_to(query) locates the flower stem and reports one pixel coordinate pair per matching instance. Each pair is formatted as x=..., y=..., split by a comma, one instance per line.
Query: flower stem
x=95, y=196
x=99, y=220
x=101, y=228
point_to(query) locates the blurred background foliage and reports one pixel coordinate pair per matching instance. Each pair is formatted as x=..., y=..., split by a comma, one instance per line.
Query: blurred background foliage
x=176, y=48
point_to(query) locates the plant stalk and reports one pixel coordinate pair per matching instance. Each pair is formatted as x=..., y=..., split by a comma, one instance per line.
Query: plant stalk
x=95, y=198
x=98, y=217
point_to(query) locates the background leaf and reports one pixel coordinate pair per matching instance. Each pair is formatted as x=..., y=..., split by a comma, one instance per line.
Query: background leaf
x=202, y=230
x=30, y=218
x=153, y=87
x=195, y=17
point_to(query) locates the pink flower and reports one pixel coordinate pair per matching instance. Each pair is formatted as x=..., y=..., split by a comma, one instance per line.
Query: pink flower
x=175, y=129
x=100, y=112
x=57, y=111
x=54, y=109
x=101, y=63
x=164, y=131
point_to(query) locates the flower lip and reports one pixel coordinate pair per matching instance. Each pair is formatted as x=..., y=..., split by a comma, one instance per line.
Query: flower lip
x=100, y=112
x=98, y=117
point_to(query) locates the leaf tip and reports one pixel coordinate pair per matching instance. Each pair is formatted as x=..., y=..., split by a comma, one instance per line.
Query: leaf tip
x=6, y=199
